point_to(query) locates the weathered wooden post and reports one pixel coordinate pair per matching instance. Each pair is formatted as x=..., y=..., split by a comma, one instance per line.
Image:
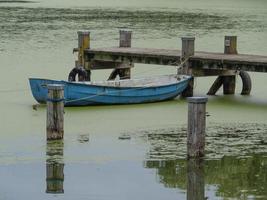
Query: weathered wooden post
x=228, y=82
x=55, y=112
x=230, y=47
x=125, y=42
x=196, y=126
x=83, y=43
x=124, y=69
x=188, y=49
x=195, y=180
x=125, y=38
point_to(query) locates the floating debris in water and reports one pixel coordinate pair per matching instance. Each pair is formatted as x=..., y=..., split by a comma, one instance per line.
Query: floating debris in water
x=83, y=138
x=124, y=137
x=34, y=106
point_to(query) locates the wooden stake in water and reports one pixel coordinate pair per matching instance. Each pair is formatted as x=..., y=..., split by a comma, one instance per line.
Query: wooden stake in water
x=196, y=126
x=125, y=38
x=230, y=47
x=188, y=49
x=124, y=69
x=55, y=112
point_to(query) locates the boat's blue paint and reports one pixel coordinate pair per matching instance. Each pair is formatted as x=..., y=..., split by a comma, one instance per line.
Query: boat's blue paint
x=79, y=94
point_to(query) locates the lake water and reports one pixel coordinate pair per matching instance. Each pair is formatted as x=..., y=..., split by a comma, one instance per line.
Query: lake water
x=37, y=39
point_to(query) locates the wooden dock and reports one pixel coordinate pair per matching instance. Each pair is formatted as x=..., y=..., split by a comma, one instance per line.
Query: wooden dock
x=200, y=60
x=225, y=65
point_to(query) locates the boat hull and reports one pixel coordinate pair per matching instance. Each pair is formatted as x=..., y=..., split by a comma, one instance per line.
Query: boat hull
x=81, y=94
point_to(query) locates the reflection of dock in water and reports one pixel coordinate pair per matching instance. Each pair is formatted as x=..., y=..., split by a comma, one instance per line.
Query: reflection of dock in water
x=55, y=167
x=228, y=174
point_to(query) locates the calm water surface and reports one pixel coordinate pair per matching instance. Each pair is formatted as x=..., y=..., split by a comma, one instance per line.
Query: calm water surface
x=93, y=162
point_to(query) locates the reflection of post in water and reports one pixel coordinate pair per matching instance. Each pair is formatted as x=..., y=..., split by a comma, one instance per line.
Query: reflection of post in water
x=195, y=179
x=54, y=167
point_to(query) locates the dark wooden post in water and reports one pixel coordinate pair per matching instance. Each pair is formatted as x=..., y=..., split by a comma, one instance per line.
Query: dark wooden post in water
x=125, y=38
x=125, y=71
x=228, y=82
x=55, y=112
x=83, y=43
x=195, y=180
x=188, y=49
x=230, y=47
x=196, y=126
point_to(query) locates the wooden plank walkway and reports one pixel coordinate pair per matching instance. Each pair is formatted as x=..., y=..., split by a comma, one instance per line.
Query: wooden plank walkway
x=200, y=60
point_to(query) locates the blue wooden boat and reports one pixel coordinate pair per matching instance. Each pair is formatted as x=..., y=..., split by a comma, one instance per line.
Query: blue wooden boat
x=129, y=91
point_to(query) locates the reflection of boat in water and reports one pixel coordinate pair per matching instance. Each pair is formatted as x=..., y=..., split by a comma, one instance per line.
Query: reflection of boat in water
x=128, y=91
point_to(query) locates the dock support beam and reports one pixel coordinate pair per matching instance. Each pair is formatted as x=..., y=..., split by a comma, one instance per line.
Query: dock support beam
x=125, y=42
x=196, y=127
x=55, y=112
x=83, y=43
x=188, y=49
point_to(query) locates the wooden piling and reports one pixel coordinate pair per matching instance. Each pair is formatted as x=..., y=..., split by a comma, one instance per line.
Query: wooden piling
x=125, y=38
x=228, y=82
x=55, y=112
x=230, y=47
x=125, y=42
x=230, y=44
x=83, y=43
x=196, y=126
x=125, y=71
x=188, y=49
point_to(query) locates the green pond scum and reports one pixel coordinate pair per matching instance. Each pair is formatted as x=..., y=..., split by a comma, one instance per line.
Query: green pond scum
x=129, y=151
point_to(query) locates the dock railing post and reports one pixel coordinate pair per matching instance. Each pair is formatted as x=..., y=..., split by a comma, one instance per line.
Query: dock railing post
x=188, y=49
x=55, y=112
x=196, y=127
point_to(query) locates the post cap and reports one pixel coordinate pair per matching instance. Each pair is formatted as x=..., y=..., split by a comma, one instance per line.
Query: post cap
x=197, y=99
x=230, y=36
x=55, y=87
x=191, y=38
x=125, y=31
x=83, y=32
